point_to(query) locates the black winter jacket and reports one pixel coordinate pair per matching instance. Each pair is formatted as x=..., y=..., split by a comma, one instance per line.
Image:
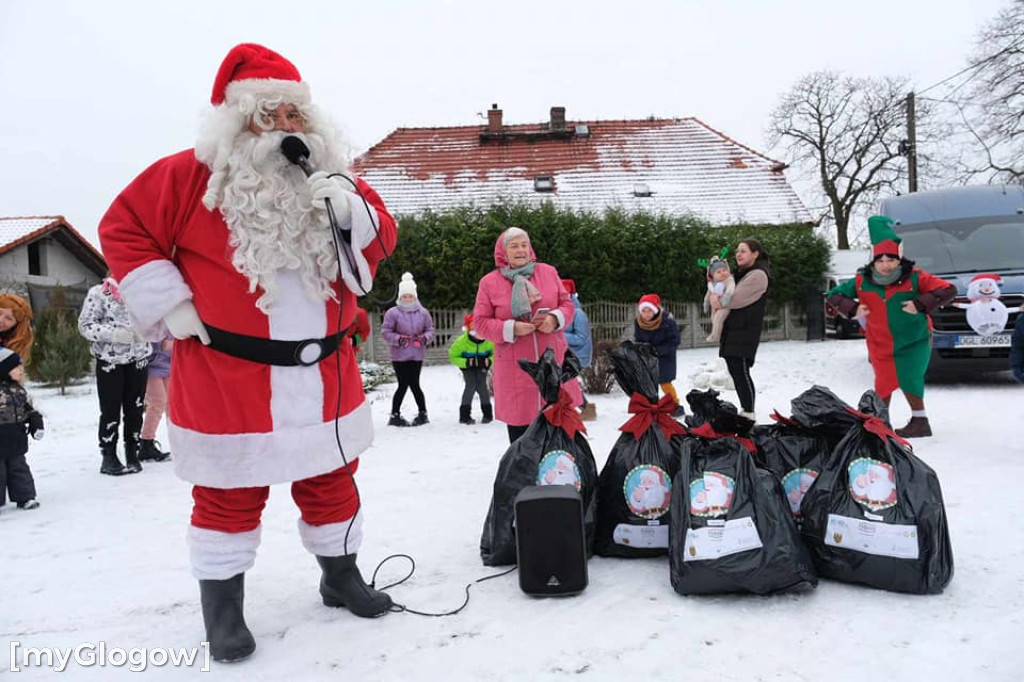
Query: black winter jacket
x=741, y=332
x=665, y=340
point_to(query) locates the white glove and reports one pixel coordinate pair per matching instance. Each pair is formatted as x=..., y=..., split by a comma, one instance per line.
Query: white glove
x=123, y=335
x=183, y=322
x=38, y=435
x=323, y=187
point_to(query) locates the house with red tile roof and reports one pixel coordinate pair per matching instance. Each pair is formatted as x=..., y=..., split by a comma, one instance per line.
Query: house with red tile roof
x=39, y=253
x=676, y=166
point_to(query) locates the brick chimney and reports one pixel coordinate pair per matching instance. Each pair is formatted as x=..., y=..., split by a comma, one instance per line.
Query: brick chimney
x=494, y=119
x=557, y=118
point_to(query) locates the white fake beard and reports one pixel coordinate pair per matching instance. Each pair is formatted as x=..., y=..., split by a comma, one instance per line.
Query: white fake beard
x=271, y=219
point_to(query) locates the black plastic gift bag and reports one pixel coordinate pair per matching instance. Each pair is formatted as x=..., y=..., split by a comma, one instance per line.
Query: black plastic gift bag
x=875, y=515
x=793, y=454
x=552, y=451
x=722, y=416
x=635, y=486
x=731, y=530
x=823, y=413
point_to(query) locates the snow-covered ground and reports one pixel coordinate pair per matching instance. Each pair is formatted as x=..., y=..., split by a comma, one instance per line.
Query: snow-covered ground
x=104, y=559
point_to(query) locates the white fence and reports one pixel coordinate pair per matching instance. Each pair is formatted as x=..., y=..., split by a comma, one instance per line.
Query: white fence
x=609, y=321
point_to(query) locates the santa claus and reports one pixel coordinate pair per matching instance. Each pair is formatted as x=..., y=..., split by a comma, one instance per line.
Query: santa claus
x=229, y=246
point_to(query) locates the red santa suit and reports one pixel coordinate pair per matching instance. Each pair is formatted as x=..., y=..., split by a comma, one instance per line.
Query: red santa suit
x=236, y=424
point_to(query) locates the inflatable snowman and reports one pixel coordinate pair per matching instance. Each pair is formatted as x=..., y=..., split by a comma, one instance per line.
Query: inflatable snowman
x=985, y=312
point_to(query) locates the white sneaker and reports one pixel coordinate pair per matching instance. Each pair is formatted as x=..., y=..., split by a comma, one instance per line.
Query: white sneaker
x=28, y=504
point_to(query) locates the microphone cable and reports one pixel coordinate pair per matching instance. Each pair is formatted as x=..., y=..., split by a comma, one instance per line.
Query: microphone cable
x=395, y=607
x=370, y=213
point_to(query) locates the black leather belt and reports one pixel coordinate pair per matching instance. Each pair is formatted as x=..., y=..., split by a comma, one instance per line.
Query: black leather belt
x=306, y=352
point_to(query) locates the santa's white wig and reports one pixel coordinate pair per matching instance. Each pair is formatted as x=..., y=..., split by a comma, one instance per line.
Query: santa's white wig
x=222, y=125
x=264, y=198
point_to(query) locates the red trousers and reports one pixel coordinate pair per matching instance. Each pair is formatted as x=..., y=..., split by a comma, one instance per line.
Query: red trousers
x=327, y=498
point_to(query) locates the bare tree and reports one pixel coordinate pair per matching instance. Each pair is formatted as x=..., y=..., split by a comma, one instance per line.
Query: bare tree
x=991, y=107
x=847, y=132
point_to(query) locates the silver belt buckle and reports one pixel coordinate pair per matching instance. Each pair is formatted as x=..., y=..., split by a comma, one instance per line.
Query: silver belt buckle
x=309, y=352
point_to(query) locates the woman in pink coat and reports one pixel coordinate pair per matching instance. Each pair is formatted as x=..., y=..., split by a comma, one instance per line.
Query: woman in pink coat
x=522, y=307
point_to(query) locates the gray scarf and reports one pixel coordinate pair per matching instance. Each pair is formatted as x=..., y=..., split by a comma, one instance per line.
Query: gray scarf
x=885, y=280
x=522, y=291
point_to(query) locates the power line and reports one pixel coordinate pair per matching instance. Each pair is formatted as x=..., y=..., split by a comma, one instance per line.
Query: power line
x=977, y=64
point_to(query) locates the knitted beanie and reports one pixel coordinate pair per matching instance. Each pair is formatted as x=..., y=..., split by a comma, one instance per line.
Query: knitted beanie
x=8, y=361
x=716, y=264
x=407, y=286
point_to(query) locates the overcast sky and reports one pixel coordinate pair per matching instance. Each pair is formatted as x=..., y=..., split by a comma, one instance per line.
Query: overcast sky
x=98, y=90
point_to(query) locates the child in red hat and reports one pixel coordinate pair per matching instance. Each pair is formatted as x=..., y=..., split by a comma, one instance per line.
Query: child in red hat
x=658, y=328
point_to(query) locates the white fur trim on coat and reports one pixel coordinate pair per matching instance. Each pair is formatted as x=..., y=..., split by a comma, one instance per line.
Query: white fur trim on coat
x=243, y=460
x=292, y=92
x=151, y=291
x=329, y=539
x=560, y=316
x=218, y=556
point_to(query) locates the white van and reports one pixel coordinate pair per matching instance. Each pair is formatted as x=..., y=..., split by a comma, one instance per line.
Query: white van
x=957, y=234
x=843, y=265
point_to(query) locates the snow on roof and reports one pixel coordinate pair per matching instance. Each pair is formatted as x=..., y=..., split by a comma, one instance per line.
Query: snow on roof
x=17, y=228
x=687, y=167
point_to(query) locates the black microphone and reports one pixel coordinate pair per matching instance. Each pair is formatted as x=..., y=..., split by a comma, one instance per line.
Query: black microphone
x=296, y=151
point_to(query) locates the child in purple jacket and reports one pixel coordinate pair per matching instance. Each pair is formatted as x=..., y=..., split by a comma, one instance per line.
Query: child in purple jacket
x=407, y=329
x=156, y=400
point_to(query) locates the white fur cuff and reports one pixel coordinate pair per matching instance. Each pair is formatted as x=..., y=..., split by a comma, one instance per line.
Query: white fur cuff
x=365, y=224
x=560, y=316
x=151, y=291
x=330, y=539
x=360, y=282
x=219, y=556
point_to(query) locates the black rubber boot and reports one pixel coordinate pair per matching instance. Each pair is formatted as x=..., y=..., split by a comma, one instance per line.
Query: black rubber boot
x=111, y=464
x=132, y=465
x=464, y=417
x=488, y=411
x=397, y=420
x=226, y=631
x=342, y=585
x=420, y=419
x=149, y=451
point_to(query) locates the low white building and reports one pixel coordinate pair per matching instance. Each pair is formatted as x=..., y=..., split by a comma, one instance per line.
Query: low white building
x=40, y=253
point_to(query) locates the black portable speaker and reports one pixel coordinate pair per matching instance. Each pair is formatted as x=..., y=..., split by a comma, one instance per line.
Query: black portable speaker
x=550, y=545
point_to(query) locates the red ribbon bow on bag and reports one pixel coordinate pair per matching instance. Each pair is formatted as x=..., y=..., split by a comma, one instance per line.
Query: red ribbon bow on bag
x=705, y=430
x=647, y=413
x=877, y=426
x=562, y=414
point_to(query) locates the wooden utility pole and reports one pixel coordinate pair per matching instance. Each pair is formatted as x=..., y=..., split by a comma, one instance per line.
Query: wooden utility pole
x=911, y=145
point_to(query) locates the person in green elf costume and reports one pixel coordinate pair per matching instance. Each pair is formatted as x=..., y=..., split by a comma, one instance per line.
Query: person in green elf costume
x=893, y=298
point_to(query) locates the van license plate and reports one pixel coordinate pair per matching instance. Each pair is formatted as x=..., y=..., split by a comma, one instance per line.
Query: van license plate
x=994, y=340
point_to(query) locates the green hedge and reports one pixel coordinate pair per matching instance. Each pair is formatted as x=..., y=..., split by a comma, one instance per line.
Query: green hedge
x=614, y=256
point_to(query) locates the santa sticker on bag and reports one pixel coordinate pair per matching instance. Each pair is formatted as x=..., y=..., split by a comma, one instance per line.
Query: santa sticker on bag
x=872, y=483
